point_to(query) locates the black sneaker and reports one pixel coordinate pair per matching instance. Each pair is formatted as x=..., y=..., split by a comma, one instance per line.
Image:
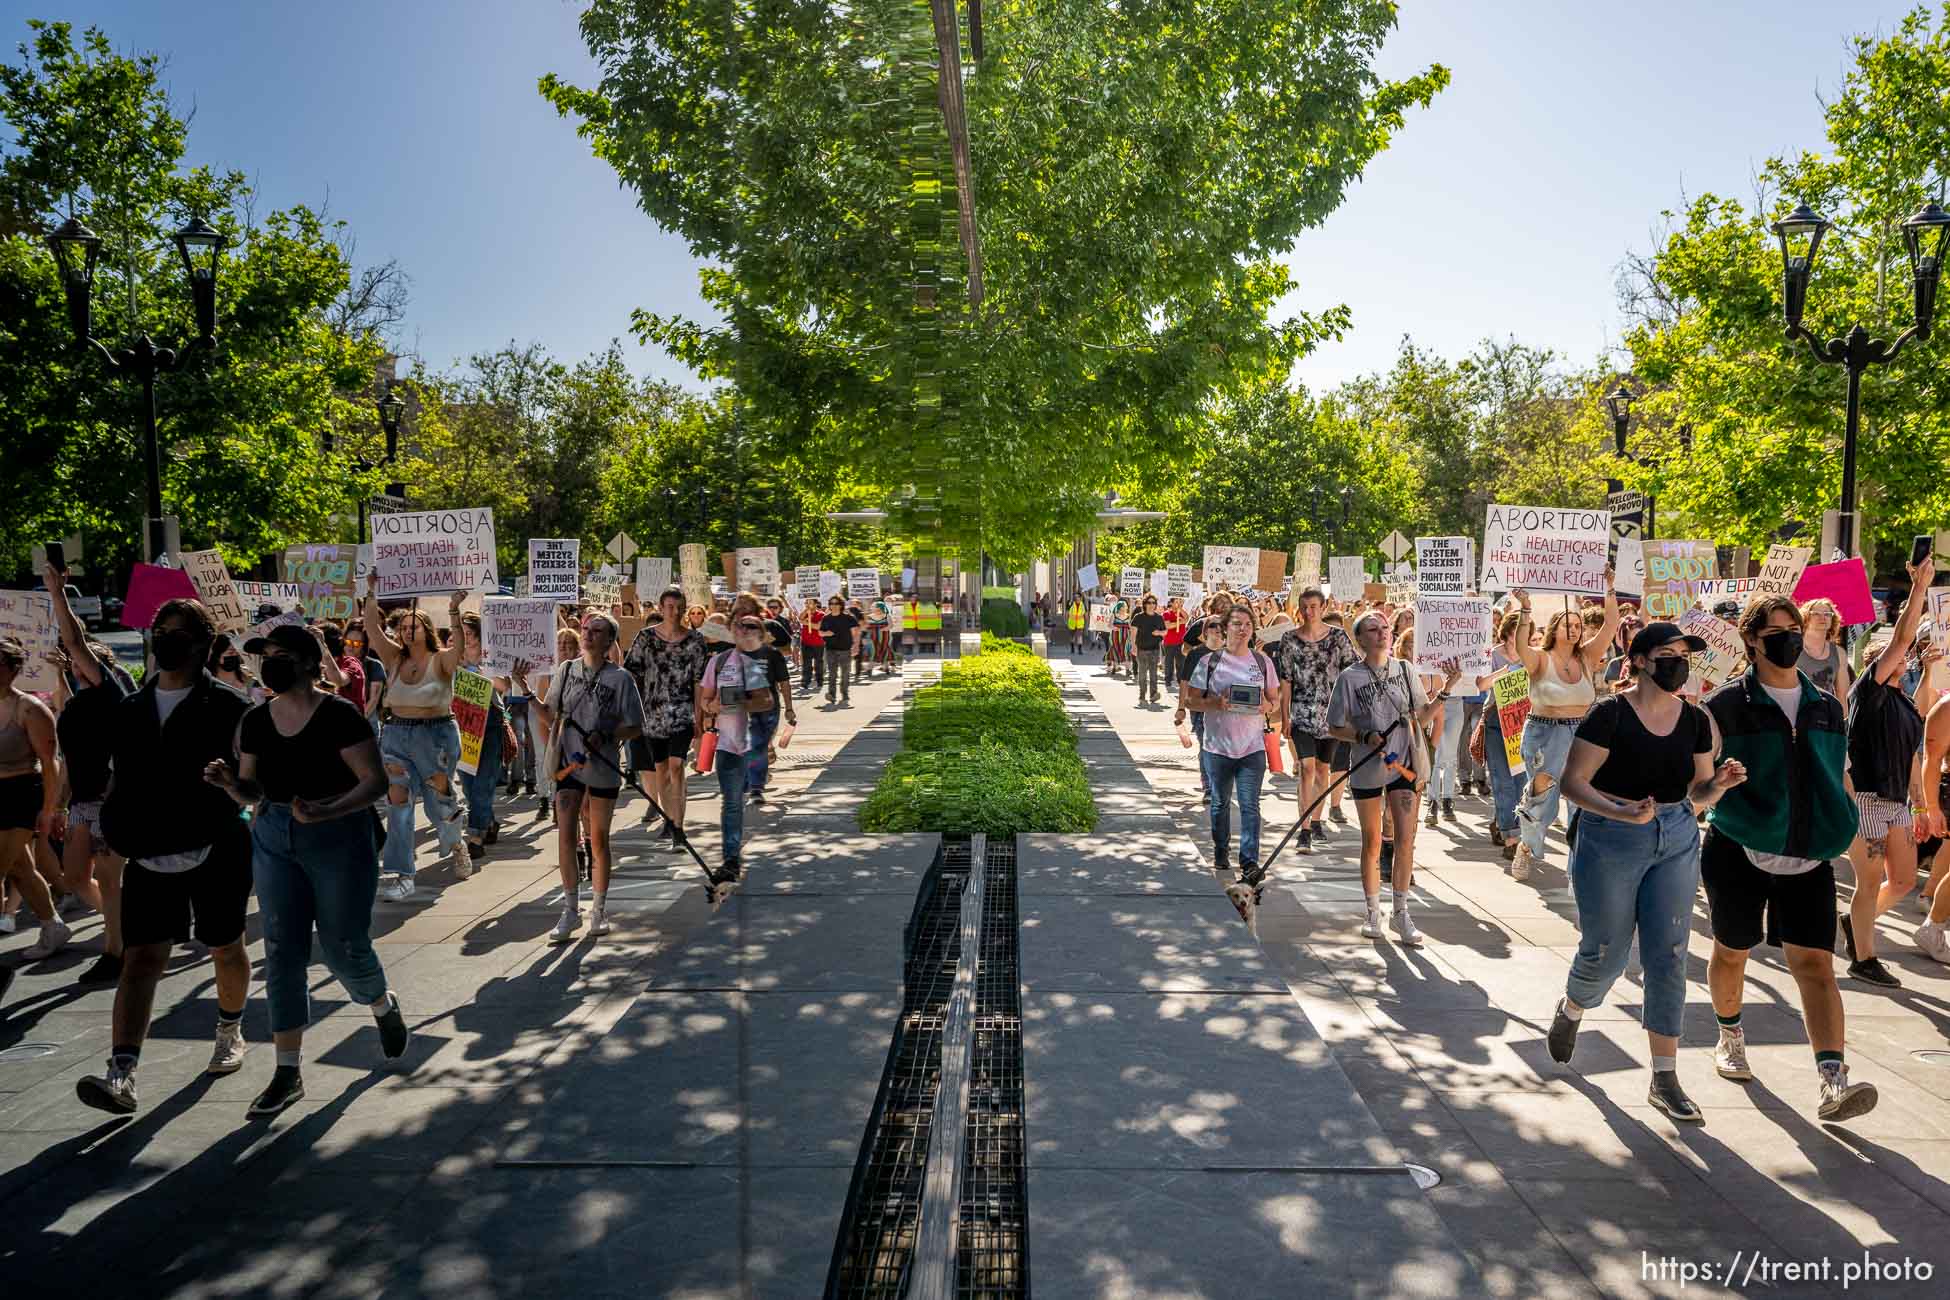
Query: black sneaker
x=285, y=1089
x=107, y=969
x=393, y=1033
x=527, y=787
x=1319, y=830
x=476, y=851
x=492, y=833
x=1666, y=1095
x=1848, y=940
x=1222, y=864
x=1874, y=972
x=755, y=797
x=1563, y=1037
x=1306, y=844
x=669, y=829
x=1448, y=810
x=1251, y=874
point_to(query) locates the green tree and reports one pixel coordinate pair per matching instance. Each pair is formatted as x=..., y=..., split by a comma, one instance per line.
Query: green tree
x=1137, y=172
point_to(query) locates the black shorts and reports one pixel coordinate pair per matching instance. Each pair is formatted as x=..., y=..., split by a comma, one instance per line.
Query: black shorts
x=1375, y=792
x=20, y=801
x=1343, y=756
x=569, y=785
x=207, y=901
x=1797, y=909
x=1307, y=745
x=676, y=746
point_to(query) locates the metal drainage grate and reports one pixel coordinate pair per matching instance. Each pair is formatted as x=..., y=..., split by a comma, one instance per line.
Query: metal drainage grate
x=992, y=1245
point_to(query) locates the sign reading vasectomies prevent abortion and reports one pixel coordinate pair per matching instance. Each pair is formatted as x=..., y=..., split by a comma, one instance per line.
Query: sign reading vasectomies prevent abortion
x=426, y=552
x=1544, y=549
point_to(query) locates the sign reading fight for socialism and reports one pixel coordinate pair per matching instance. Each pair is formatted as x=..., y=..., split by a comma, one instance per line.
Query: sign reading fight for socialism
x=554, y=568
x=473, y=694
x=1542, y=549
x=214, y=589
x=516, y=628
x=28, y=616
x=426, y=552
x=863, y=584
x=1130, y=581
x=1441, y=567
x=758, y=569
x=1178, y=581
x=1673, y=572
x=1236, y=566
x=1452, y=627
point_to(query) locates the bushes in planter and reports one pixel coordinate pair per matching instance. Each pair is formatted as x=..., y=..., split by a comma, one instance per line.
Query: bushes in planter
x=1004, y=618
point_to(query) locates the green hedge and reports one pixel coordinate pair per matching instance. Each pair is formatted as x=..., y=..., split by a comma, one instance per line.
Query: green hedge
x=1004, y=618
x=987, y=749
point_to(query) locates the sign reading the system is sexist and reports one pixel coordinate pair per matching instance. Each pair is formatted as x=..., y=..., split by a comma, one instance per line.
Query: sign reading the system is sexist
x=424, y=552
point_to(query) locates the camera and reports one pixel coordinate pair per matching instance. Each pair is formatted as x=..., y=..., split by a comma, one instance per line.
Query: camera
x=732, y=698
x=1243, y=698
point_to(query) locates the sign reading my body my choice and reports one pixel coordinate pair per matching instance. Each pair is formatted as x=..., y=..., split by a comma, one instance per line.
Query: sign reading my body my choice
x=1543, y=549
x=432, y=552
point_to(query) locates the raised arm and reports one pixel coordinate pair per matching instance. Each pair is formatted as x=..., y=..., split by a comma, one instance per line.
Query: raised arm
x=1889, y=664
x=73, y=640
x=381, y=641
x=1594, y=646
x=447, y=662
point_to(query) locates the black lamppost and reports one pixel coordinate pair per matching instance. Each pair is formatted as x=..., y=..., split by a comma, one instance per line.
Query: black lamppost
x=1618, y=404
x=1926, y=237
x=77, y=249
x=391, y=409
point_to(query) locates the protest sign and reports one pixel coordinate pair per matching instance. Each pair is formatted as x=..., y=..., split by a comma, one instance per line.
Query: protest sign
x=327, y=575
x=1940, y=615
x=256, y=595
x=1100, y=617
x=473, y=694
x=1235, y=566
x=696, y=574
x=1130, y=581
x=1160, y=586
x=1711, y=591
x=1781, y=570
x=1346, y=574
x=516, y=628
x=758, y=569
x=1271, y=575
x=808, y=582
x=554, y=568
x=1306, y=566
x=1846, y=582
x=602, y=590
x=1178, y=581
x=28, y=616
x=1673, y=572
x=441, y=612
x=429, y=552
x=1510, y=696
x=863, y=584
x=1087, y=578
x=1542, y=549
x=149, y=586
x=1374, y=592
x=1452, y=627
x=1629, y=562
x=1725, y=656
x=215, y=590
x=1627, y=520
x=286, y=618
x=831, y=584
x=652, y=575
x=1441, y=566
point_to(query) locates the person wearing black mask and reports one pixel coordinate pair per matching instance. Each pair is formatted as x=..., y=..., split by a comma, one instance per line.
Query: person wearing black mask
x=188, y=850
x=309, y=764
x=1641, y=763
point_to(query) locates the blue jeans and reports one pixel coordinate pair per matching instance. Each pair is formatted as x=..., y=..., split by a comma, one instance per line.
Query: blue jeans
x=1505, y=785
x=1442, y=784
x=1642, y=878
x=1546, y=748
x=481, y=783
x=420, y=750
x=524, y=768
x=732, y=775
x=757, y=766
x=1222, y=774
x=321, y=874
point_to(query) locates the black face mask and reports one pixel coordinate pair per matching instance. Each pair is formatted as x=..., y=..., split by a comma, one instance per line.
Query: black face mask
x=279, y=673
x=1669, y=674
x=1781, y=648
x=173, y=650
x=231, y=663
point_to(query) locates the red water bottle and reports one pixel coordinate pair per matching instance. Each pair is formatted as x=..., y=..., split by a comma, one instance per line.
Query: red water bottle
x=707, y=752
x=1274, y=757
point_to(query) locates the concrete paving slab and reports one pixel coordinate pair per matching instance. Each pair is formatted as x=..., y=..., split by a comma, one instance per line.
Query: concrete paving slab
x=814, y=943
x=1108, y=861
x=1124, y=943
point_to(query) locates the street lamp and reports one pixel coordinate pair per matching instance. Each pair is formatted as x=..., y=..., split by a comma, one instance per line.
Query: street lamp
x=1619, y=402
x=1926, y=238
x=390, y=409
x=77, y=251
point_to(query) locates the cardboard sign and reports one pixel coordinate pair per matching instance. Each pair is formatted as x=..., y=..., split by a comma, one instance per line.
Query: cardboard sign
x=1272, y=571
x=1629, y=562
x=1510, y=696
x=328, y=577
x=214, y=588
x=1130, y=581
x=1452, y=627
x=1306, y=566
x=1542, y=549
x=516, y=628
x=28, y=616
x=1100, y=617
x=863, y=584
x=1781, y=570
x=432, y=552
x=602, y=590
x=1725, y=656
x=1235, y=566
x=1346, y=575
x=1087, y=578
x=696, y=571
x=1374, y=592
x=652, y=574
x=1673, y=572
x=758, y=569
x=1846, y=582
x=149, y=586
x=256, y=595
x=1442, y=566
x=1178, y=581
x=473, y=694
x=554, y=568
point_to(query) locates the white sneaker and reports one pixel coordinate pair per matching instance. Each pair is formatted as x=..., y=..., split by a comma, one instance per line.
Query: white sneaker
x=1841, y=1099
x=598, y=921
x=1933, y=941
x=463, y=862
x=1521, y=864
x=228, y=1056
x=70, y=905
x=396, y=889
x=1404, y=926
x=54, y=935
x=565, y=925
x=8, y=923
x=1730, y=1058
x=1371, y=928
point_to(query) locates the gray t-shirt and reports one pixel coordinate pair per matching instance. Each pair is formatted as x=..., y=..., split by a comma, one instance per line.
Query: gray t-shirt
x=1369, y=699
x=590, y=705
x=1824, y=672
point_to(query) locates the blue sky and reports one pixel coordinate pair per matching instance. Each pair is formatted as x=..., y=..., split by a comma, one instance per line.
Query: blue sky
x=1504, y=209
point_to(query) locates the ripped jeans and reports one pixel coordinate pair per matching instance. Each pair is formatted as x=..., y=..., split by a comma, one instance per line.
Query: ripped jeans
x=1630, y=878
x=420, y=749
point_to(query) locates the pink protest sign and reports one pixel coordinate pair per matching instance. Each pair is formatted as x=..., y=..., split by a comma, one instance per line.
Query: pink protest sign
x=149, y=586
x=1846, y=582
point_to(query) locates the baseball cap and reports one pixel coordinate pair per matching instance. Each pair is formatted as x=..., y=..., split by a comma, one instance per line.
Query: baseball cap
x=291, y=639
x=1654, y=635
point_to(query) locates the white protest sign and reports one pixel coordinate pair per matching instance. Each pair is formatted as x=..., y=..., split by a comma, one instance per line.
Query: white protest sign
x=1544, y=549
x=1236, y=566
x=807, y=582
x=758, y=569
x=554, y=568
x=1781, y=570
x=256, y=595
x=516, y=628
x=1087, y=578
x=863, y=584
x=1725, y=656
x=652, y=575
x=1940, y=615
x=1099, y=618
x=1306, y=566
x=1130, y=581
x=289, y=618
x=425, y=552
x=28, y=616
x=214, y=589
x=1711, y=591
x=1630, y=564
x=1347, y=574
x=1452, y=627
x=1178, y=581
x=602, y=589
x=831, y=584
x=1160, y=585
x=691, y=563
x=1441, y=565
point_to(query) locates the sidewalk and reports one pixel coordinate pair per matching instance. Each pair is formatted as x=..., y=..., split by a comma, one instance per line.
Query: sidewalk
x=1562, y=1180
